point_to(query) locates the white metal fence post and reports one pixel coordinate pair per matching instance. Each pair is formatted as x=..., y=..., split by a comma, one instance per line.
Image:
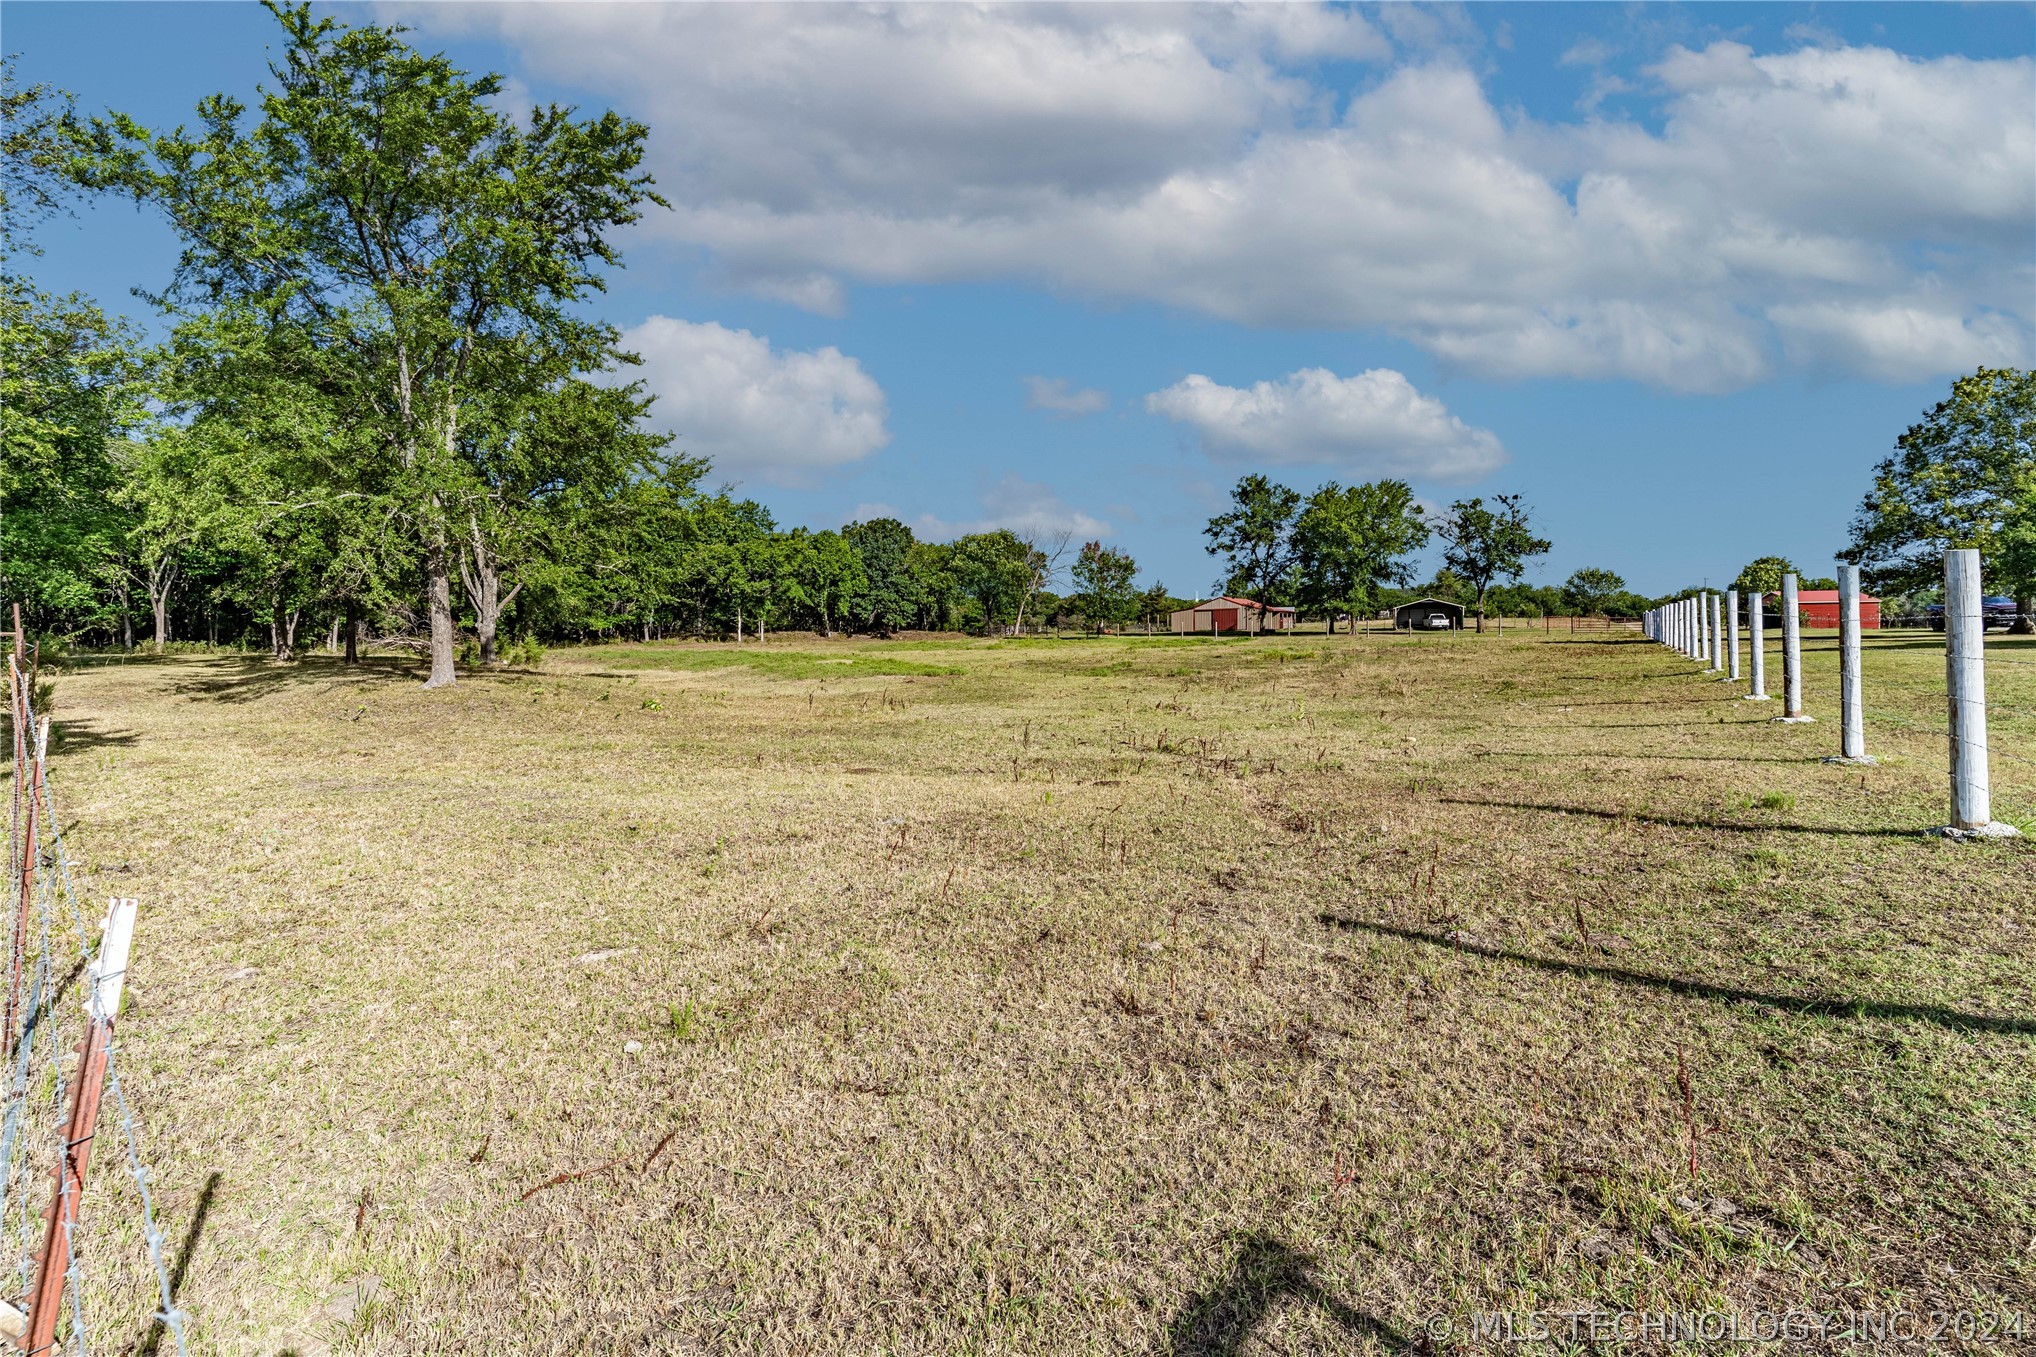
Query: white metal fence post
x=1732, y=634
x=1792, y=657
x=1717, y=634
x=1756, y=625
x=1965, y=682
x=1852, y=739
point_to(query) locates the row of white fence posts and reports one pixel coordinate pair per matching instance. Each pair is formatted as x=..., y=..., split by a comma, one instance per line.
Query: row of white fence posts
x=1706, y=629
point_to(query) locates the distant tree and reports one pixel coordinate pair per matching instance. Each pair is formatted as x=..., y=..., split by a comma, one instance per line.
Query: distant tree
x=935, y=586
x=1764, y=575
x=1255, y=538
x=1525, y=600
x=825, y=574
x=1350, y=541
x=1155, y=605
x=1445, y=584
x=1965, y=476
x=1589, y=591
x=996, y=570
x=889, y=597
x=1103, y=578
x=1043, y=555
x=1484, y=545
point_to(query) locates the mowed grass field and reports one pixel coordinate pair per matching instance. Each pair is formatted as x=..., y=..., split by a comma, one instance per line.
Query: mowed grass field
x=1053, y=997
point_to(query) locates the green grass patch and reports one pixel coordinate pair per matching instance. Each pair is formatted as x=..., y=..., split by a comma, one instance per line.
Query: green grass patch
x=783, y=664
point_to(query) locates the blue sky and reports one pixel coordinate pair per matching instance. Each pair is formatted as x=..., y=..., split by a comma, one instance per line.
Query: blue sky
x=1677, y=274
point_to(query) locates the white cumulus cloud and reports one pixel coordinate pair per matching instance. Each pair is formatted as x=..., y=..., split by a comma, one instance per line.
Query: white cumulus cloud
x=780, y=415
x=1371, y=424
x=1196, y=157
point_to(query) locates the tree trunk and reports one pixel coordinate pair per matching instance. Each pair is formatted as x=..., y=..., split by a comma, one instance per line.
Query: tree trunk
x=332, y=645
x=280, y=628
x=738, y=623
x=353, y=632
x=481, y=573
x=2025, y=621
x=438, y=600
x=126, y=621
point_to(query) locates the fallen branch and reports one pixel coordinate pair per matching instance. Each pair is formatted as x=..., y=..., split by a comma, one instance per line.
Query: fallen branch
x=573, y=1175
x=650, y=1159
x=560, y=1179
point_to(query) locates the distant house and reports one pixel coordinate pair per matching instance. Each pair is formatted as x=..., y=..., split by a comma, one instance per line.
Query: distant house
x=1429, y=614
x=1229, y=614
x=1819, y=608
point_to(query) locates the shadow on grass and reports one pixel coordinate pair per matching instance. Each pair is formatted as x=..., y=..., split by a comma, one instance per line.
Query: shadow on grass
x=1263, y=1271
x=1630, y=702
x=1614, y=754
x=69, y=735
x=1682, y=821
x=1701, y=989
x=1664, y=725
x=249, y=678
x=152, y=1341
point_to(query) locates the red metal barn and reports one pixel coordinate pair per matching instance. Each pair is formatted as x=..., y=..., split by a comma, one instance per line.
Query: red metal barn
x=1820, y=608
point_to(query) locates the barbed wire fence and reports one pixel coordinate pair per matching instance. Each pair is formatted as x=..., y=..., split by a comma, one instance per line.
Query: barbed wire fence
x=1691, y=627
x=62, y=1060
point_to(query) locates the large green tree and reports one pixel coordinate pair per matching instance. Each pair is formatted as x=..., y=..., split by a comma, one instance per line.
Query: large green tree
x=823, y=575
x=1103, y=584
x=995, y=570
x=1255, y=538
x=534, y=455
x=1592, y=590
x=1963, y=476
x=385, y=206
x=890, y=595
x=1486, y=544
x=1763, y=575
x=1351, y=540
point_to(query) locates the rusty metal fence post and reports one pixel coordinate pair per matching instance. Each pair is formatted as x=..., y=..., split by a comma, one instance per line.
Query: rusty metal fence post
x=102, y=1002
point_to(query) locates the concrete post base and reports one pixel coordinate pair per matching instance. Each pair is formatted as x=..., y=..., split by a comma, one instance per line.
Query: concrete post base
x=1995, y=830
x=1864, y=760
x=1792, y=720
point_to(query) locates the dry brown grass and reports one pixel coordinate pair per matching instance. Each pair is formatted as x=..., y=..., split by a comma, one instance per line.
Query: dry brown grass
x=1081, y=997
